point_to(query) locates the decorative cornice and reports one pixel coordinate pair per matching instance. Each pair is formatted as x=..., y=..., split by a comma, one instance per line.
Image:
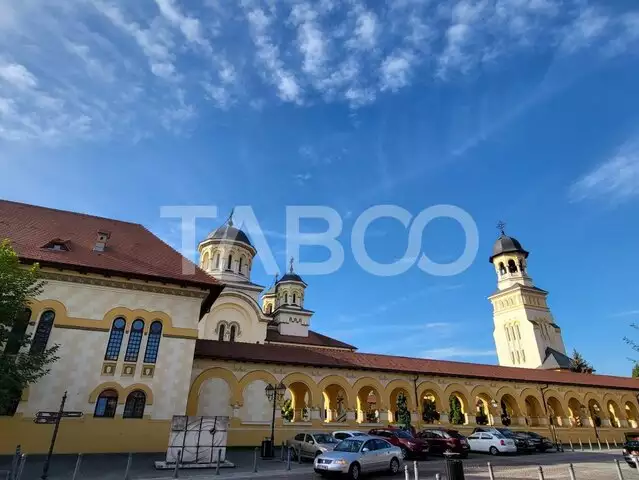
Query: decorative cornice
x=105, y=282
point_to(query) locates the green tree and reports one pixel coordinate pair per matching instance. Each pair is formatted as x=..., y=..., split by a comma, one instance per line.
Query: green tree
x=287, y=410
x=19, y=366
x=403, y=413
x=635, y=370
x=579, y=364
x=456, y=414
x=429, y=411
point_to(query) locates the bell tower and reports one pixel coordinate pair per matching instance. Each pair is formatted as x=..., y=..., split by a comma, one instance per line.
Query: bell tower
x=526, y=334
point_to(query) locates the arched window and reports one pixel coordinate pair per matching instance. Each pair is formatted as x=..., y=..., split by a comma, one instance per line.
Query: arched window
x=134, y=406
x=294, y=299
x=507, y=333
x=239, y=269
x=153, y=343
x=269, y=308
x=16, y=336
x=502, y=268
x=220, y=335
x=286, y=299
x=229, y=265
x=115, y=339
x=232, y=332
x=205, y=261
x=517, y=331
x=135, y=340
x=523, y=356
x=216, y=263
x=106, y=404
x=41, y=336
x=512, y=266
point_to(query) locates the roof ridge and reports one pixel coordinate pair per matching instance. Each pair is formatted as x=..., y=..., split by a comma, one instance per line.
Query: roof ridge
x=71, y=212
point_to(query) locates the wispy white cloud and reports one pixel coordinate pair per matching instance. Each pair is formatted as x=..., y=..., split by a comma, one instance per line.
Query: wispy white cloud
x=454, y=352
x=616, y=179
x=627, y=313
x=107, y=67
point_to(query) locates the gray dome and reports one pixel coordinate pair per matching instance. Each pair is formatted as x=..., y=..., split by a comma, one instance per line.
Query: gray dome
x=506, y=244
x=229, y=232
x=291, y=277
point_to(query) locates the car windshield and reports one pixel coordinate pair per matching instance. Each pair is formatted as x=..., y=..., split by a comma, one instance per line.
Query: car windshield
x=533, y=434
x=349, y=445
x=453, y=434
x=324, y=438
x=402, y=434
x=506, y=432
x=358, y=434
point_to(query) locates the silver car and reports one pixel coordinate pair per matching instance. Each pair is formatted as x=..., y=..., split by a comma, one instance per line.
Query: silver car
x=310, y=445
x=357, y=455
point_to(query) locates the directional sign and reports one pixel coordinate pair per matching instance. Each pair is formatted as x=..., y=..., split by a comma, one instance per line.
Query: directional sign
x=72, y=414
x=45, y=419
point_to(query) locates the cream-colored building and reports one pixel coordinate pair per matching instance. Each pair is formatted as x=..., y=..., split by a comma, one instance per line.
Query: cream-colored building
x=142, y=339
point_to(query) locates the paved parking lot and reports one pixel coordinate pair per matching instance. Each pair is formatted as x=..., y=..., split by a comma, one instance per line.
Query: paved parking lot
x=587, y=466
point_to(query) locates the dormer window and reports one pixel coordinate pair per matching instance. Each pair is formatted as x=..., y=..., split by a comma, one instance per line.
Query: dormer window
x=57, y=245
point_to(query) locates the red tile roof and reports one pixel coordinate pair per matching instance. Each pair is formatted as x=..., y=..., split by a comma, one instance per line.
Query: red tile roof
x=131, y=251
x=315, y=357
x=314, y=339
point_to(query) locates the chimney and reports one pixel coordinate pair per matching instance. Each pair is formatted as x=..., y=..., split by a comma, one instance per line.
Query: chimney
x=101, y=241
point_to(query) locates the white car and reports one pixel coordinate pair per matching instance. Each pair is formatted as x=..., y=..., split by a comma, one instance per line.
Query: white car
x=342, y=434
x=492, y=443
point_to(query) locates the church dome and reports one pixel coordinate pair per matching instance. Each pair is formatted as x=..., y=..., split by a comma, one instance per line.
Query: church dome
x=229, y=232
x=506, y=244
x=291, y=277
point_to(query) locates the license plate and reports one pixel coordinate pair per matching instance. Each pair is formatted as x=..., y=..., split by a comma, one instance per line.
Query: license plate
x=321, y=466
x=425, y=450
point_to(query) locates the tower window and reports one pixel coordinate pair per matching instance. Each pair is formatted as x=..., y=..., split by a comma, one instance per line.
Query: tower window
x=239, y=269
x=512, y=356
x=216, y=263
x=153, y=343
x=507, y=333
x=294, y=299
x=502, y=268
x=232, y=333
x=220, y=335
x=523, y=356
x=512, y=266
x=518, y=359
x=518, y=333
x=269, y=308
x=229, y=265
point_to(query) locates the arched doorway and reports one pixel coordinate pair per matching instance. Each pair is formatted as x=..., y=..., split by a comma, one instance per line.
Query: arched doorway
x=429, y=402
x=556, y=411
x=509, y=410
x=574, y=408
x=335, y=403
x=613, y=414
x=457, y=412
x=595, y=411
x=368, y=401
x=631, y=414
x=534, y=411
x=393, y=402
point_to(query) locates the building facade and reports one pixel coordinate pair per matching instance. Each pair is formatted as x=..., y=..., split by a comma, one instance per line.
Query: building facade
x=145, y=336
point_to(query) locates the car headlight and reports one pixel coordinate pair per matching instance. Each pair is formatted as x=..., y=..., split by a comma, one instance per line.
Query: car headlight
x=340, y=461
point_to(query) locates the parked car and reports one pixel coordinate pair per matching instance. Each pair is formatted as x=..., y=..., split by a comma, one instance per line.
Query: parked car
x=491, y=442
x=630, y=450
x=541, y=443
x=310, y=445
x=444, y=440
x=410, y=446
x=343, y=434
x=523, y=444
x=361, y=454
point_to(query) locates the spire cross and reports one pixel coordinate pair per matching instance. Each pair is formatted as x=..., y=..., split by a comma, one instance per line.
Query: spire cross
x=500, y=226
x=291, y=263
x=229, y=221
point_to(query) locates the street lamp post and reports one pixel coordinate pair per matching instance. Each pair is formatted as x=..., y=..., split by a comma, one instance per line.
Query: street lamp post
x=274, y=393
x=550, y=414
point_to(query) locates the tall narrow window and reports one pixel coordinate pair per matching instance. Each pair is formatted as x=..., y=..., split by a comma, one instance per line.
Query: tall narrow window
x=134, y=406
x=239, y=269
x=230, y=263
x=220, y=335
x=115, y=339
x=507, y=333
x=286, y=299
x=153, y=343
x=518, y=332
x=43, y=330
x=294, y=298
x=16, y=336
x=135, y=340
x=269, y=308
x=523, y=356
x=216, y=263
x=232, y=333
x=106, y=404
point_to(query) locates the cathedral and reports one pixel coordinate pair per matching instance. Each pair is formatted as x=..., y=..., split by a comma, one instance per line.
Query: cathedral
x=142, y=341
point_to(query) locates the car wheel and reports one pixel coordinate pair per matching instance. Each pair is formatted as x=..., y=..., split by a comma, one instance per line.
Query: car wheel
x=404, y=454
x=494, y=451
x=354, y=471
x=394, y=466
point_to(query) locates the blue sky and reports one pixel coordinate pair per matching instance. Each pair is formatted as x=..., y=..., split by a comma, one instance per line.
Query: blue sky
x=519, y=110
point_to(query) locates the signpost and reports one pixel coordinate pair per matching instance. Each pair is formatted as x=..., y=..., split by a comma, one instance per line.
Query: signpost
x=53, y=418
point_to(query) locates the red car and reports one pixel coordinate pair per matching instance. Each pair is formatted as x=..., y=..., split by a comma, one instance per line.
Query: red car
x=444, y=440
x=411, y=446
